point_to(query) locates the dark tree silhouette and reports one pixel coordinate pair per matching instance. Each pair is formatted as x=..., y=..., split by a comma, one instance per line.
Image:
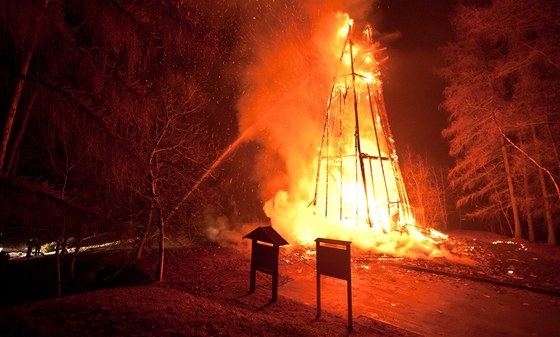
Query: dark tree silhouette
x=105, y=114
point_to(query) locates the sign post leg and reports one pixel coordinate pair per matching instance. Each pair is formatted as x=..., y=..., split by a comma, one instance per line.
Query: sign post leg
x=275, y=286
x=349, y=285
x=318, y=295
x=253, y=279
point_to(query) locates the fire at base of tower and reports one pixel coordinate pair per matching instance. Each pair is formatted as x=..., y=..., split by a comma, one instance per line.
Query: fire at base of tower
x=358, y=178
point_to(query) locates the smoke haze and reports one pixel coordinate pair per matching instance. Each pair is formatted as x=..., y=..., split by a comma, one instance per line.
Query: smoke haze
x=286, y=87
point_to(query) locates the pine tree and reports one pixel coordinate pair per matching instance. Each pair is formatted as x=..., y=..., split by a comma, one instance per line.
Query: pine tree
x=502, y=73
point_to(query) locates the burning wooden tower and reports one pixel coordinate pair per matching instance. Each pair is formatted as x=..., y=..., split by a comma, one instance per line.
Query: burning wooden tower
x=358, y=178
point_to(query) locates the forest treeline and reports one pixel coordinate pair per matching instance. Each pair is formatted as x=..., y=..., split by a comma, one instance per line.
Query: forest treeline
x=104, y=116
x=502, y=96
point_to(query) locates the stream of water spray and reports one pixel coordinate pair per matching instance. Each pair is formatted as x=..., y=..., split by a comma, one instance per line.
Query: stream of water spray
x=214, y=165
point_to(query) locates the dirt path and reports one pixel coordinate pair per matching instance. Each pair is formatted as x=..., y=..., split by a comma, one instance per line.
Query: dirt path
x=430, y=304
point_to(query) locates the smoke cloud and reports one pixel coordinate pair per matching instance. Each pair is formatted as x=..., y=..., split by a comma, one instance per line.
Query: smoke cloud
x=285, y=90
x=297, y=47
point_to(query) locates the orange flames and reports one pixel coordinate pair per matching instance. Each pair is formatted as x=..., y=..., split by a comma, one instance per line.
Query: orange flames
x=349, y=186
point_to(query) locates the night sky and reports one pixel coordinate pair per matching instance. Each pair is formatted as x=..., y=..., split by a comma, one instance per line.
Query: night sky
x=412, y=31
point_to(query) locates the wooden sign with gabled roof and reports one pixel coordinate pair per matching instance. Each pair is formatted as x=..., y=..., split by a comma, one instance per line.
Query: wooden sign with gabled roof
x=266, y=244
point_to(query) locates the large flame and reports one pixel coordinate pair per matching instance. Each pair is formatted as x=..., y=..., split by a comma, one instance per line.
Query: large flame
x=325, y=176
x=358, y=178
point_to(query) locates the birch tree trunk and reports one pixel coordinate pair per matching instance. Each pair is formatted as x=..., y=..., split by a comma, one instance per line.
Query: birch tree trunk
x=13, y=108
x=547, y=211
x=75, y=256
x=60, y=249
x=528, y=205
x=142, y=242
x=10, y=161
x=442, y=196
x=161, y=253
x=154, y=176
x=517, y=224
x=546, y=203
x=554, y=147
